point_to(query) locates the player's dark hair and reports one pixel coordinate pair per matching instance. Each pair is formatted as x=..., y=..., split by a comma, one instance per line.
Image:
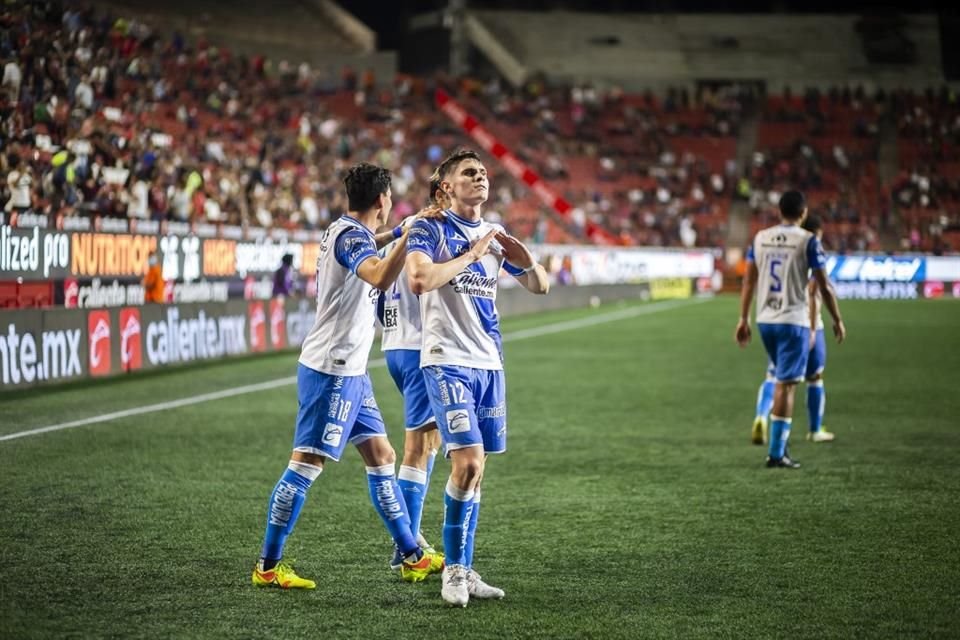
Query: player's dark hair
x=792, y=204
x=812, y=224
x=434, y=186
x=365, y=183
x=451, y=161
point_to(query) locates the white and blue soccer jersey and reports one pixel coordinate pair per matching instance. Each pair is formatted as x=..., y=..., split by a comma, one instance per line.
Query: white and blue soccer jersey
x=336, y=402
x=401, y=341
x=401, y=311
x=460, y=322
x=462, y=357
x=784, y=256
x=339, y=341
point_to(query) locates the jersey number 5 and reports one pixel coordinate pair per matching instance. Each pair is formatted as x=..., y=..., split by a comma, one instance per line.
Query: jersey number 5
x=777, y=285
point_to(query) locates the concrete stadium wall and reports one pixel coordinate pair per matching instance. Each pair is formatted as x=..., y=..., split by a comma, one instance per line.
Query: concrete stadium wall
x=643, y=50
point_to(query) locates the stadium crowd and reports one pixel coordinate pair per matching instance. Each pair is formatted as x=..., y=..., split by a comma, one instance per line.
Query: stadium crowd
x=101, y=115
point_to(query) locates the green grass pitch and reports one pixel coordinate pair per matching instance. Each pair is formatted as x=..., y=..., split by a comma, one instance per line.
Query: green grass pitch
x=630, y=503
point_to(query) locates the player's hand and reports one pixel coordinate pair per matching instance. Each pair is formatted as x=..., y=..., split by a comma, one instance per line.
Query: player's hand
x=481, y=247
x=430, y=212
x=743, y=332
x=813, y=339
x=839, y=331
x=514, y=251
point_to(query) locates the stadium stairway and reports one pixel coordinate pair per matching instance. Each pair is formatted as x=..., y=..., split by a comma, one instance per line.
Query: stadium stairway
x=738, y=227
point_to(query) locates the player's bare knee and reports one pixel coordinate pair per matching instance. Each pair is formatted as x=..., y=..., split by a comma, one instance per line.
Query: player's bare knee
x=308, y=458
x=415, y=448
x=814, y=378
x=432, y=437
x=467, y=467
x=377, y=452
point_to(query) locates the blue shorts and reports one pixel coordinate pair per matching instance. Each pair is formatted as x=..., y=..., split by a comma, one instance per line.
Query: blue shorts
x=788, y=346
x=470, y=406
x=816, y=361
x=334, y=410
x=404, y=367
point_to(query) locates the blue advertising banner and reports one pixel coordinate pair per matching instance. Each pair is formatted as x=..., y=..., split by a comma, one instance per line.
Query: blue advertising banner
x=876, y=268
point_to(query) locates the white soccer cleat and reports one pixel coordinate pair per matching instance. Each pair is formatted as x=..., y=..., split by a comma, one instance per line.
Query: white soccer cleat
x=455, y=589
x=820, y=436
x=479, y=589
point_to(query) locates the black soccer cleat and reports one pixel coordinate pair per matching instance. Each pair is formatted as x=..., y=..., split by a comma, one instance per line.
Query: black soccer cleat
x=786, y=462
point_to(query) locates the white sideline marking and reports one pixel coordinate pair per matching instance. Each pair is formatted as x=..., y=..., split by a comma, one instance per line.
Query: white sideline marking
x=523, y=334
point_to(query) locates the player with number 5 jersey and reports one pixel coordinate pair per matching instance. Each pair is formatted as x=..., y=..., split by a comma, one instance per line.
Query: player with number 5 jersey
x=453, y=265
x=778, y=263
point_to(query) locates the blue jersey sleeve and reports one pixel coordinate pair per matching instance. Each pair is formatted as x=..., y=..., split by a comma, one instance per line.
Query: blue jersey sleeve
x=815, y=257
x=424, y=236
x=512, y=269
x=353, y=247
x=750, y=257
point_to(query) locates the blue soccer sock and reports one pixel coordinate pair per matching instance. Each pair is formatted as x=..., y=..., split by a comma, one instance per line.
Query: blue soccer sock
x=816, y=403
x=388, y=501
x=285, y=505
x=413, y=486
x=779, y=434
x=765, y=398
x=457, y=513
x=472, y=531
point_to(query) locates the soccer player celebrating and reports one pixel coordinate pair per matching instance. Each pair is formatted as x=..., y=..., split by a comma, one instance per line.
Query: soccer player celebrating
x=402, y=338
x=336, y=402
x=777, y=266
x=816, y=361
x=453, y=265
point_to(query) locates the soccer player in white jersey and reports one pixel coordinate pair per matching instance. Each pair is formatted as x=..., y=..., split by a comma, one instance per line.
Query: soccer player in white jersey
x=402, y=338
x=816, y=363
x=778, y=264
x=336, y=403
x=453, y=265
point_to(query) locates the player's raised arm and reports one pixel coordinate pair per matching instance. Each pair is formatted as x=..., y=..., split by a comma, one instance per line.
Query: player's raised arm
x=426, y=275
x=526, y=270
x=357, y=251
x=430, y=212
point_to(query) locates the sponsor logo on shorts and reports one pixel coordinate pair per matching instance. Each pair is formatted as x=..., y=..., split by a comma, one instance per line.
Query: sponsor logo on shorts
x=458, y=421
x=497, y=411
x=332, y=433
